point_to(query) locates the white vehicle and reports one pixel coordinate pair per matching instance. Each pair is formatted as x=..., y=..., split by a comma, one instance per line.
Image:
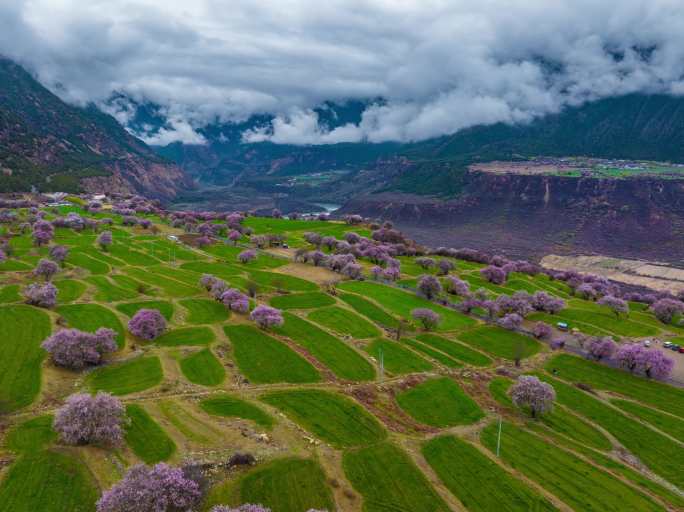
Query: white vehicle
x=647, y=343
x=173, y=238
x=667, y=344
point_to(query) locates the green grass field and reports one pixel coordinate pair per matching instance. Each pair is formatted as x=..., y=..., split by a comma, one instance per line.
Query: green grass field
x=344, y=322
x=90, y=317
x=281, y=281
x=204, y=311
x=576, y=482
x=146, y=438
x=48, y=481
x=438, y=356
x=69, y=290
x=186, y=336
x=666, y=423
x=342, y=360
x=439, y=403
x=22, y=330
x=131, y=308
x=401, y=303
x=12, y=293
x=388, y=480
x=478, y=482
x=230, y=406
x=656, y=394
x=331, y=417
x=289, y=484
x=108, y=291
x=397, y=359
x=654, y=449
x=454, y=349
x=500, y=342
x=302, y=300
x=128, y=377
x=370, y=310
x=203, y=368
x=263, y=359
x=31, y=435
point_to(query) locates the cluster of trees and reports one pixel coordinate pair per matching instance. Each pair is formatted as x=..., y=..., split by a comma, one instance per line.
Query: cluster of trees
x=232, y=298
x=634, y=357
x=75, y=349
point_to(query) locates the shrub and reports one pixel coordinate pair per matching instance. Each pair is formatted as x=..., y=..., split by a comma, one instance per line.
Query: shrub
x=247, y=256
x=266, y=316
x=542, y=331
x=151, y=489
x=429, y=286
x=511, y=321
x=58, y=253
x=235, y=300
x=456, y=286
x=87, y=419
x=147, y=324
x=428, y=318
x=46, y=269
x=600, y=348
x=42, y=295
x=494, y=274
x=105, y=239
x=542, y=301
x=391, y=273
x=207, y=281
x=666, y=309
x=76, y=349
x=234, y=235
x=425, y=263
x=615, y=304
x=529, y=391
x=445, y=266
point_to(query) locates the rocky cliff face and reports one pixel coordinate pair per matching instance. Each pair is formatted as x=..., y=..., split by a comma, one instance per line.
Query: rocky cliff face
x=534, y=215
x=49, y=145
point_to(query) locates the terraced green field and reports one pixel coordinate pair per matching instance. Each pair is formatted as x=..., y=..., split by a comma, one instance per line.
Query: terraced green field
x=577, y=483
x=128, y=377
x=478, y=482
x=230, y=406
x=342, y=360
x=401, y=303
x=388, y=480
x=439, y=403
x=263, y=359
x=397, y=360
x=146, y=438
x=90, y=317
x=344, y=322
x=500, y=342
x=329, y=416
x=291, y=484
x=22, y=330
x=186, y=336
x=348, y=406
x=302, y=300
x=203, y=368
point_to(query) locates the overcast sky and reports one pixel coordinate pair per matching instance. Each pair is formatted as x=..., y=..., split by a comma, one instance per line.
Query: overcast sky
x=440, y=65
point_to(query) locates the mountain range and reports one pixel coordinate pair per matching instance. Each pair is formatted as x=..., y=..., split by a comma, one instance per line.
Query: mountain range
x=51, y=145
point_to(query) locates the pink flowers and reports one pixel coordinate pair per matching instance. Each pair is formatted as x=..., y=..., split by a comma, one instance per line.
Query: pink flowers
x=147, y=324
x=427, y=318
x=266, y=316
x=76, y=349
x=247, y=256
x=617, y=305
x=87, y=419
x=42, y=295
x=105, y=239
x=600, y=348
x=529, y=391
x=235, y=300
x=666, y=309
x=151, y=489
x=429, y=286
x=653, y=363
x=46, y=269
x=494, y=275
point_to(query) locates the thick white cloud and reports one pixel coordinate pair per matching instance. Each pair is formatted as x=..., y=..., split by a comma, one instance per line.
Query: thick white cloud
x=439, y=65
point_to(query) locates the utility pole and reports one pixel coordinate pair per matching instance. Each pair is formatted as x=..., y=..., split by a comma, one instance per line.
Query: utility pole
x=382, y=363
x=498, y=439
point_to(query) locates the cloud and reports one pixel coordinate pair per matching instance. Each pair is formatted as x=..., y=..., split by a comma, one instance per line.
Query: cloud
x=439, y=65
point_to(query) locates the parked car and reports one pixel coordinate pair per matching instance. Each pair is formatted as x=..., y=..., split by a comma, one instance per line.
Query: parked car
x=675, y=347
x=562, y=326
x=681, y=350
x=647, y=343
x=667, y=344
